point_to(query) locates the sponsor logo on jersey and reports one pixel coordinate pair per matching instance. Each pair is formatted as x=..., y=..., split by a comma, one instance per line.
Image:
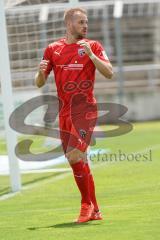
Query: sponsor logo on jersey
x=73, y=66
x=81, y=52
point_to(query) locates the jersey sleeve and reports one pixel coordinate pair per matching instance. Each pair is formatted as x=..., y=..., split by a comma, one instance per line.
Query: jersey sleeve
x=99, y=51
x=48, y=56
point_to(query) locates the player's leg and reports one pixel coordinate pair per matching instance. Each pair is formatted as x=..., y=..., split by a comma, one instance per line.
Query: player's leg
x=75, y=158
x=84, y=135
x=85, y=183
x=96, y=215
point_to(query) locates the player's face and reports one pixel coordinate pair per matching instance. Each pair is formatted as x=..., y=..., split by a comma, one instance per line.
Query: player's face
x=79, y=25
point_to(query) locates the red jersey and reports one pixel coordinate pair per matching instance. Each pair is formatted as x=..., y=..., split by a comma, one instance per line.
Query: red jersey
x=74, y=71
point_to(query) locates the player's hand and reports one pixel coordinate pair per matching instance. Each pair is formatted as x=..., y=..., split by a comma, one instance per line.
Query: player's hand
x=43, y=66
x=86, y=46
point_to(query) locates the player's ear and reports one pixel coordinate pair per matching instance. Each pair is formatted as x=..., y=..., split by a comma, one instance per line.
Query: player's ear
x=70, y=22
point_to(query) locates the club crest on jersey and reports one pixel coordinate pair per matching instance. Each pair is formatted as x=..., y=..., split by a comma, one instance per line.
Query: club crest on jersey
x=81, y=52
x=82, y=133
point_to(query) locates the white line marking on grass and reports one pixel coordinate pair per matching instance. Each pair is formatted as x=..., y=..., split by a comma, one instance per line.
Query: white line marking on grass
x=56, y=178
x=144, y=150
x=8, y=195
x=43, y=182
x=33, y=185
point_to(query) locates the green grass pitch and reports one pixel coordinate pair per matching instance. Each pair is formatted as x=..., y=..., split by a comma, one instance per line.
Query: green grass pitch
x=128, y=193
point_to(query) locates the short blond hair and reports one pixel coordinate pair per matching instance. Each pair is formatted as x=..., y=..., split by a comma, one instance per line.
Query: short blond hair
x=68, y=14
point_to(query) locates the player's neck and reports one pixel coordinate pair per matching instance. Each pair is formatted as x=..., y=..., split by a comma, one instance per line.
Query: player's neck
x=71, y=39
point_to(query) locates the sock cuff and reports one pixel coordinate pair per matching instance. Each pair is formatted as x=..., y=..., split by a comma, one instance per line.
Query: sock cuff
x=79, y=168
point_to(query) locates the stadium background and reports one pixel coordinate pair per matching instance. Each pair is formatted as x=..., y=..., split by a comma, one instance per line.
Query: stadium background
x=29, y=33
x=31, y=26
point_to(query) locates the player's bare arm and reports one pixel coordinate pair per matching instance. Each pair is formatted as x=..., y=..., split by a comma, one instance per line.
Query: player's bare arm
x=105, y=68
x=41, y=77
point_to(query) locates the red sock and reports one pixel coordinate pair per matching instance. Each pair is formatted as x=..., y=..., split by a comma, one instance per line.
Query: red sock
x=82, y=179
x=92, y=188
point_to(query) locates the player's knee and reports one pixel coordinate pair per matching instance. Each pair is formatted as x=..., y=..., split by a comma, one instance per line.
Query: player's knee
x=72, y=158
x=73, y=161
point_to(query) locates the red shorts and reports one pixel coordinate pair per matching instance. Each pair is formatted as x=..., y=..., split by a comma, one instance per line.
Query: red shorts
x=76, y=132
